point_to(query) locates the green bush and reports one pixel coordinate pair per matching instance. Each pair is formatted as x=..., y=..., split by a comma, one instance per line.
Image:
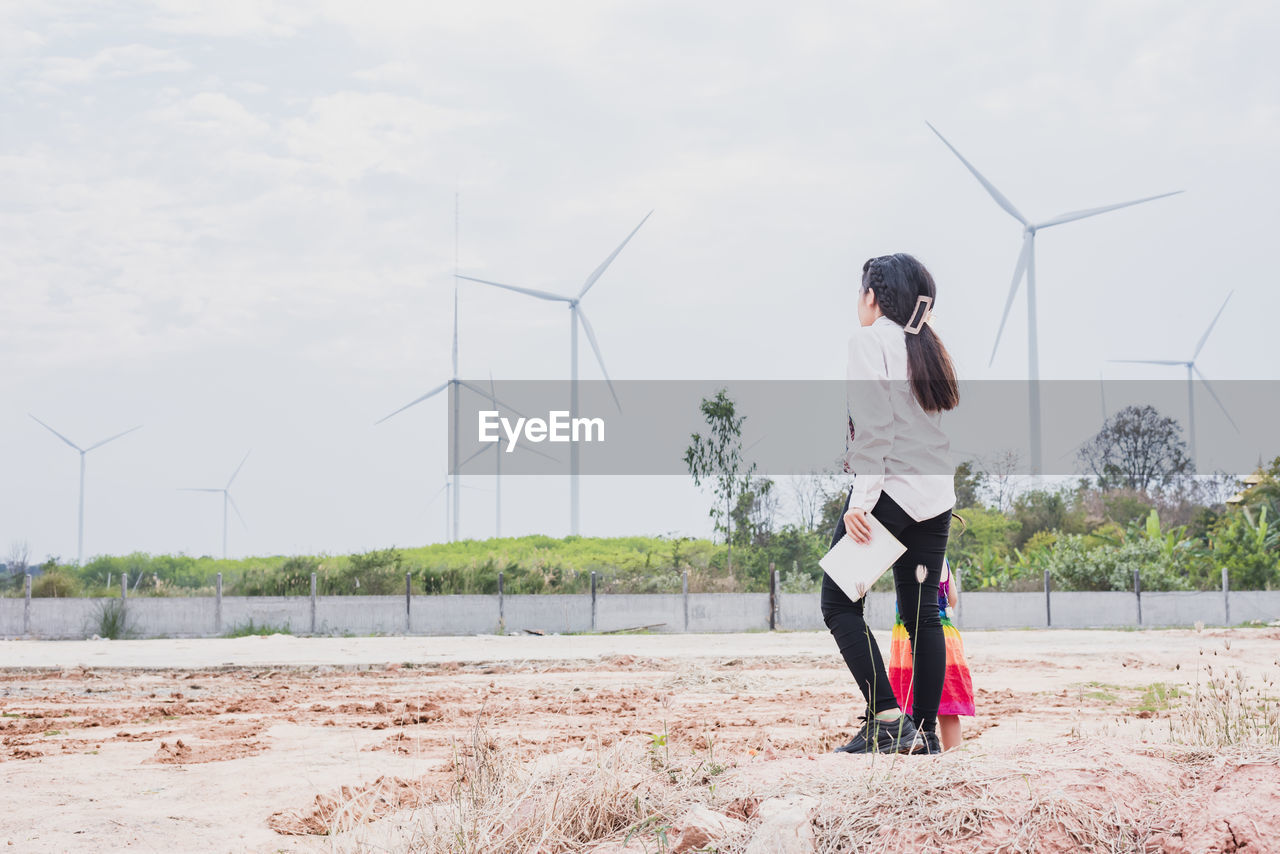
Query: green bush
x=55, y=583
x=1074, y=565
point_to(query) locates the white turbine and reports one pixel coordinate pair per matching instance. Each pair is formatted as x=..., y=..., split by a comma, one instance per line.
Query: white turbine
x=1027, y=264
x=83, y=451
x=1190, y=365
x=576, y=316
x=455, y=382
x=497, y=464
x=226, y=501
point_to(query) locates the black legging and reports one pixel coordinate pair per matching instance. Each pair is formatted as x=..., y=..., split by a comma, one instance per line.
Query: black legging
x=926, y=543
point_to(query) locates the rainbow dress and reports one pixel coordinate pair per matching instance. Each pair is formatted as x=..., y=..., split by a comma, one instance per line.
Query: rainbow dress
x=957, y=686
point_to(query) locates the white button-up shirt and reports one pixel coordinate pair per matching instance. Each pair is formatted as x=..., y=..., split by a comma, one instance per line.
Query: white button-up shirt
x=897, y=447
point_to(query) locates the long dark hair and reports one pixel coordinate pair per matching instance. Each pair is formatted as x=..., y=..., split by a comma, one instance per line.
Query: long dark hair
x=899, y=281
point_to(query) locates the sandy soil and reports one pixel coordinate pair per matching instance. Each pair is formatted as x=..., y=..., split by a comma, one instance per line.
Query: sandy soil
x=247, y=744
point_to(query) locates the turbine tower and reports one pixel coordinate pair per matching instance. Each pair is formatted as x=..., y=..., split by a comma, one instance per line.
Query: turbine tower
x=576, y=316
x=455, y=383
x=226, y=501
x=1190, y=365
x=83, y=451
x=1027, y=264
x=497, y=464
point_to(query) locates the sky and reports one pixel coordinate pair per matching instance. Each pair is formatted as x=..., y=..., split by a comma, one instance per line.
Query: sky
x=234, y=224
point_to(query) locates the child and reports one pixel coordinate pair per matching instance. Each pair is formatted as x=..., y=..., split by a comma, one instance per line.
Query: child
x=957, y=687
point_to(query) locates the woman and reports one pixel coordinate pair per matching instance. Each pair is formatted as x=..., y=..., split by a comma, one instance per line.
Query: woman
x=900, y=381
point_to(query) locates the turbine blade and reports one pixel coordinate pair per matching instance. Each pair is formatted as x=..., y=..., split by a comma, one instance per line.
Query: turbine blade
x=237, y=471
x=489, y=396
x=599, y=271
x=1023, y=257
x=995, y=194
x=595, y=346
x=530, y=291
x=1149, y=361
x=1075, y=215
x=1217, y=399
x=232, y=502
x=56, y=433
x=112, y=439
x=1205, y=336
x=415, y=401
x=439, y=492
x=196, y=489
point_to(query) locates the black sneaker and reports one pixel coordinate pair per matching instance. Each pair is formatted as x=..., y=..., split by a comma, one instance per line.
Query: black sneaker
x=859, y=742
x=896, y=736
x=927, y=743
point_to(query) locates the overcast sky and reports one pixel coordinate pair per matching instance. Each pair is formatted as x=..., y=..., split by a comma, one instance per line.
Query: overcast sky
x=233, y=223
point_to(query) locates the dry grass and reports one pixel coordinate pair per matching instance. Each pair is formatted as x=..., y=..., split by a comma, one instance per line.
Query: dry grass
x=560, y=802
x=1001, y=804
x=1225, y=708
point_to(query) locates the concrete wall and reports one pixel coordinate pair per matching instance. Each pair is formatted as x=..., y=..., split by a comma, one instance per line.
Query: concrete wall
x=453, y=615
x=1002, y=611
x=1249, y=605
x=707, y=612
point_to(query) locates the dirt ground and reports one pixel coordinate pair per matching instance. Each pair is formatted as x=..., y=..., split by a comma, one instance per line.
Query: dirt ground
x=253, y=744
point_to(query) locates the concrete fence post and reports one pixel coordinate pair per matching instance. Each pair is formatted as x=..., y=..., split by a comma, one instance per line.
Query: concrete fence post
x=313, y=603
x=124, y=585
x=1226, y=599
x=684, y=591
x=593, y=600
x=1048, y=613
x=773, y=597
x=408, y=600
x=1137, y=592
x=26, y=606
x=217, y=605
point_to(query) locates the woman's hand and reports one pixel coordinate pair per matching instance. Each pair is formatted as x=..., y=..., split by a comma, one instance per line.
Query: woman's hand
x=857, y=526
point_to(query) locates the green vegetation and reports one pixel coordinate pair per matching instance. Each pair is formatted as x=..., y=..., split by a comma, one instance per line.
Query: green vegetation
x=111, y=620
x=1087, y=537
x=249, y=628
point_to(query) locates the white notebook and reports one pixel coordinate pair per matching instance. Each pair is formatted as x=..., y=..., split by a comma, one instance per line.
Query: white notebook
x=857, y=566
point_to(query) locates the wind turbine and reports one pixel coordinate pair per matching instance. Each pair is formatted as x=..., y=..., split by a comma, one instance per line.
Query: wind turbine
x=454, y=382
x=83, y=451
x=497, y=464
x=226, y=501
x=1027, y=264
x=1190, y=365
x=576, y=316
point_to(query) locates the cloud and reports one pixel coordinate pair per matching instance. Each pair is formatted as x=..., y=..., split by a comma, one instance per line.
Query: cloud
x=211, y=112
x=350, y=134
x=112, y=62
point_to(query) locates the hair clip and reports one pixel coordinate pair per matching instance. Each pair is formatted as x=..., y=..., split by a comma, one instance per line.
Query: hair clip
x=925, y=316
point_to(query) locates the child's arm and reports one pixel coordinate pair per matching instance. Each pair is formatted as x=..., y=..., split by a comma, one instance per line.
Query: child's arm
x=953, y=594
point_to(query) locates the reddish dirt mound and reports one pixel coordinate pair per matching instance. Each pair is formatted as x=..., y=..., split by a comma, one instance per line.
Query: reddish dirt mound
x=352, y=805
x=181, y=753
x=1235, y=810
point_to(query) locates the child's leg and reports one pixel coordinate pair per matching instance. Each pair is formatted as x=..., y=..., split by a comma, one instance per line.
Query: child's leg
x=949, y=731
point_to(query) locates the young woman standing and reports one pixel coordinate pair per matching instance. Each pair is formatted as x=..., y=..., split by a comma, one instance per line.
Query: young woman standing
x=900, y=381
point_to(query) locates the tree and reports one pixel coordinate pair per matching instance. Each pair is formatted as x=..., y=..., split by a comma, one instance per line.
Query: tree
x=1137, y=448
x=755, y=513
x=718, y=458
x=1000, y=478
x=810, y=492
x=19, y=558
x=968, y=485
